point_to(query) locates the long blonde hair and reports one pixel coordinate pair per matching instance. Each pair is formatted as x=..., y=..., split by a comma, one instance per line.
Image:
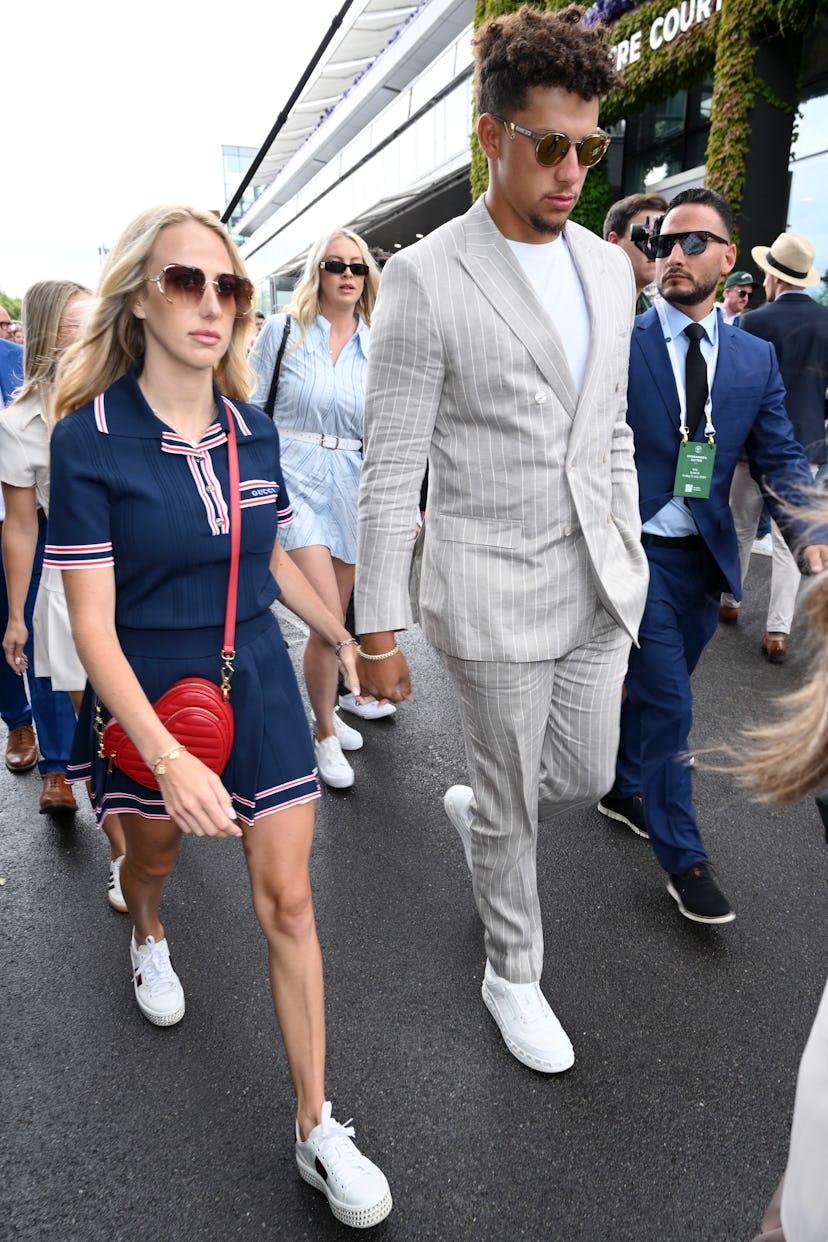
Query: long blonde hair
x=113, y=339
x=304, y=305
x=789, y=758
x=43, y=307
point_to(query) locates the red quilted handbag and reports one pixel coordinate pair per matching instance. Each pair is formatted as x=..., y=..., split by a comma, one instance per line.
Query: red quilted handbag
x=197, y=716
x=196, y=711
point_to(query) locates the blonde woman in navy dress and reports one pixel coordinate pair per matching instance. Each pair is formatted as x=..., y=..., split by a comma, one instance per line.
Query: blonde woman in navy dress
x=319, y=405
x=139, y=526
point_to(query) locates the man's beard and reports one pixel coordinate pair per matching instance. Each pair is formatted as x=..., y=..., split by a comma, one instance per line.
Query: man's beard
x=689, y=297
x=545, y=227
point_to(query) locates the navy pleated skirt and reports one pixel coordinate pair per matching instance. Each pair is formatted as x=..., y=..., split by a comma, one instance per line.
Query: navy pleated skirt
x=272, y=763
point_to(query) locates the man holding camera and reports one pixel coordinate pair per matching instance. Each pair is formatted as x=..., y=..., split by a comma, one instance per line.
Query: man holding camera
x=628, y=225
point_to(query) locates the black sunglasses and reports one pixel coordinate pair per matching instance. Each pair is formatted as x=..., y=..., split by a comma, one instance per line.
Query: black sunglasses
x=339, y=268
x=661, y=246
x=185, y=285
x=552, y=147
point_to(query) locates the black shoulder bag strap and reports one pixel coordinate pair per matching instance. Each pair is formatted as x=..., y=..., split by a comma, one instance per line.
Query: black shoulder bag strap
x=274, y=383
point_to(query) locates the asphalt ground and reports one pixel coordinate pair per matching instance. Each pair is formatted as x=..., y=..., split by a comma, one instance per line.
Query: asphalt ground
x=671, y=1126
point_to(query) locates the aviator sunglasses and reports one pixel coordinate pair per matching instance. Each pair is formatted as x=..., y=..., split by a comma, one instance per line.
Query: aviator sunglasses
x=551, y=147
x=661, y=246
x=185, y=285
x=339, y=268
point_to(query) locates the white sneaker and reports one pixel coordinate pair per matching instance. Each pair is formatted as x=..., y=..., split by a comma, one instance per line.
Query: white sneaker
x=333, y=767
x=357, y=1191
x=457, y=804
x=116, y=897
x=158, y=989
x=347, y=737
x=529, y=1028
x=372, y=710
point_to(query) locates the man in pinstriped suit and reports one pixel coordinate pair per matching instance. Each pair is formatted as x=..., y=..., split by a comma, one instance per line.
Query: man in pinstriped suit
x=499, y=354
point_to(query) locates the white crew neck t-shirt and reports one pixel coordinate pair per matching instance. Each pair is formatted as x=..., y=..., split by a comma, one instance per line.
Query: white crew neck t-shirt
x=550, y=268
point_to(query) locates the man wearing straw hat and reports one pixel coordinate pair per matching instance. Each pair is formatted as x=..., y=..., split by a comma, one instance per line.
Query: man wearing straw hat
x=797, y=327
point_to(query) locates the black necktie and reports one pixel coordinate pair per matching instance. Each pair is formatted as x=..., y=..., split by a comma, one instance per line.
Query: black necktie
x=695, y=377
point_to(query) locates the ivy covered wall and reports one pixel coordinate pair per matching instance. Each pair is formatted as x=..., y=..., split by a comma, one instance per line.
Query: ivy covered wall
x=724, y=45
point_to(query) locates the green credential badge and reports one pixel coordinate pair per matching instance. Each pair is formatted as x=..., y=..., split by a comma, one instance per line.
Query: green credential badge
x=694, y=471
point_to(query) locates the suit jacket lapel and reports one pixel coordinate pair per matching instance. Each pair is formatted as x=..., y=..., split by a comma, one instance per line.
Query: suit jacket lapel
x=650, y=340
x=497, y=273
x=590, y=268
x=723, y=379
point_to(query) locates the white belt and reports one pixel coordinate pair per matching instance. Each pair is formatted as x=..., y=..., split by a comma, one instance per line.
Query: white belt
x=321, y=438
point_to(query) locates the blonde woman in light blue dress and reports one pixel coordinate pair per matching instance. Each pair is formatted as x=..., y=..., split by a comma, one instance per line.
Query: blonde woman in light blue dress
x=318, y=409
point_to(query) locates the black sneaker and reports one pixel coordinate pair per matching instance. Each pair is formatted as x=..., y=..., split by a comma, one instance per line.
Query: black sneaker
x=699, y=896
x=629, y=811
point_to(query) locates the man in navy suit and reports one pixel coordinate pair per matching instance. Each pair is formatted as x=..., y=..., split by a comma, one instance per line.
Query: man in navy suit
x=797, y=327
x=700, y=393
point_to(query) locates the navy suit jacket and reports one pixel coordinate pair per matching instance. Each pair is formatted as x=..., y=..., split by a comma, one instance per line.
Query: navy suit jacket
x=11, y=369
x=750, y=419
x=797, y=327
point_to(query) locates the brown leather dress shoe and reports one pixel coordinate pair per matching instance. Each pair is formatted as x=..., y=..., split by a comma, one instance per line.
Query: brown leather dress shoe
x=21, y=749
x=774, y=648
x=57, y=797
x=729, y=616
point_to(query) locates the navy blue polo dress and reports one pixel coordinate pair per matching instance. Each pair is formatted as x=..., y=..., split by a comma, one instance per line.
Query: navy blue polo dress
x=129, y=493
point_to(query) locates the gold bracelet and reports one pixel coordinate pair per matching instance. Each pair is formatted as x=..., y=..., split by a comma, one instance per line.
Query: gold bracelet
x=175, y=752
x=386, y=655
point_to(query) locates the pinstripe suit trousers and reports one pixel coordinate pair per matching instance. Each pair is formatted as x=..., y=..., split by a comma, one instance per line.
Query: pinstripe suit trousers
x=541, y=739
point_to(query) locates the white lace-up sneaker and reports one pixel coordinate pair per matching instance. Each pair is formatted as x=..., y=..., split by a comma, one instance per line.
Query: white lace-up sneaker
x=457, y=804
x=333, y=767
x=372, y=710
x=328, y=1159
x=529, y=1028
x=116, y=897
x=348, y=738
x=158, y=989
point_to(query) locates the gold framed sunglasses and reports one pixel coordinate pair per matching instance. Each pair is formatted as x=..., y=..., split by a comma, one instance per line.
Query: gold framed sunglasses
x=179, y=283
x=551, y=147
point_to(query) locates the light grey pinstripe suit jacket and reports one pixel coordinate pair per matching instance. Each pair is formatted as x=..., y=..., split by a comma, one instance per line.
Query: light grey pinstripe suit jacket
x=533, y=497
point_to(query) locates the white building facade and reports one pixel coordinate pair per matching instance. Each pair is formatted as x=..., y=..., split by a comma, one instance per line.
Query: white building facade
x=388, y=156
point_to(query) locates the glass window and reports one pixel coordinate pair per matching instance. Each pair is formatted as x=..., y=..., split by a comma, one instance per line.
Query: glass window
x=667, y=138
x=809, y=172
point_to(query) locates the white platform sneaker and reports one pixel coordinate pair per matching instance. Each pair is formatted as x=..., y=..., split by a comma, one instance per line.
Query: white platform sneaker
x=529, y=1028
x=158, y=989
x=457, y=805
x=329, y=1159
x=334, y=769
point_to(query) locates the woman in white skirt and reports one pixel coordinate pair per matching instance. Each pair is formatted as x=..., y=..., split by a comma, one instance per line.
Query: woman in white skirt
x=52, y=312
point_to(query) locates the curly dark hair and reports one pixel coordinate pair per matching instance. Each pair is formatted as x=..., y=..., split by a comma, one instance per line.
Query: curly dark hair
x=532, y=48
